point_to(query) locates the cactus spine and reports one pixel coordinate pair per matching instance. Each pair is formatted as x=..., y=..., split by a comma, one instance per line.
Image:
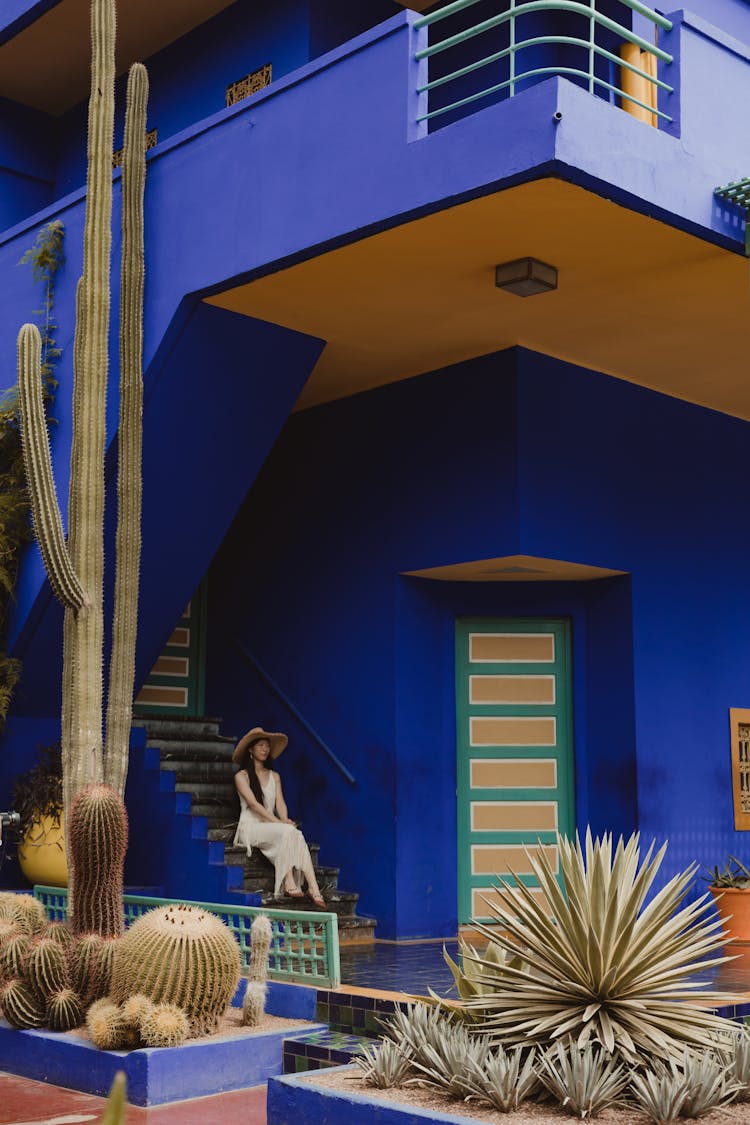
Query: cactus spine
x=76, y=568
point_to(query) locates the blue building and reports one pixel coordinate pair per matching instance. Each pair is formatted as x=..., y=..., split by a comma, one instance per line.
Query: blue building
x=446, y=414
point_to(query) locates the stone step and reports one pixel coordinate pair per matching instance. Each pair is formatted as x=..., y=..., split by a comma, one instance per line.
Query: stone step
x=178, y=726
x=200, y=750
x=343, y=903
x=208, y=791
x=200, y=768
x=265, y=881
x=257, y=860
x=218, y=812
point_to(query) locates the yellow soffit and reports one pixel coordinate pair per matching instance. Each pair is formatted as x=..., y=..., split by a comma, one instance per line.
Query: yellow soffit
x=47, y=64
x=515, y=568
x=637, y=299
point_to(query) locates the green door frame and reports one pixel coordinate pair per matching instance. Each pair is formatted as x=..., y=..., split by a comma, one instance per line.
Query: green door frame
x=563, y=792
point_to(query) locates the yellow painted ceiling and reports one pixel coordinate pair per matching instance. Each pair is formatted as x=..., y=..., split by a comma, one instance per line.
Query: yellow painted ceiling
x=515, y=568
x=637, y=298
x=59, y=42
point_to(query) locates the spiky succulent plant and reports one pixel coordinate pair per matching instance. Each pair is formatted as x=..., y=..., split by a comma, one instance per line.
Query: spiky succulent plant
x=384, y=1065
x=690, y=1088
x=584, y=1080
x=601, y=963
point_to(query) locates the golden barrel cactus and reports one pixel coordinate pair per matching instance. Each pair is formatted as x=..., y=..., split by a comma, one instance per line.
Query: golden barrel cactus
x=179, y=955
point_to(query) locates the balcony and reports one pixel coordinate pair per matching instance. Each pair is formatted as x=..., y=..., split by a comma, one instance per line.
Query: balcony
x=476, y=52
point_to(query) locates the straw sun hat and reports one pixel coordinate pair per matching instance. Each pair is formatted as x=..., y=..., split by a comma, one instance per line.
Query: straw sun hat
x=278, y=742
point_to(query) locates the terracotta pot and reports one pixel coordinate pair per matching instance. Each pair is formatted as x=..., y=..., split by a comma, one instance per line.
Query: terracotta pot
x=41, y=856
x=733, y=905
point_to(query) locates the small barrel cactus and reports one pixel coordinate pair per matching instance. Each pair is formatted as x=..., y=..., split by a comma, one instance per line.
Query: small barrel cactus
x=14, y=949
x=135, y=1009
x=165, y=1025
x=20, y=1005
x=26, y=912
x=46, y=968
x=59, y=932
x=98, y=839
x=84, y=959
x=106, y=1026
x=64, y=1010
x=179, y=955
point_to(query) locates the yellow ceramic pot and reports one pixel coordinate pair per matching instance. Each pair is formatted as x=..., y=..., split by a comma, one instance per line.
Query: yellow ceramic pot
x=41, y=856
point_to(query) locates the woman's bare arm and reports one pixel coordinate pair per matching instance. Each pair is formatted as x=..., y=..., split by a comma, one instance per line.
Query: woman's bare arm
x=281, y=809
x=242, y=786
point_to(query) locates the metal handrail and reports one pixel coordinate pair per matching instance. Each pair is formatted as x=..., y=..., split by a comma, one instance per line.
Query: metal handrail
x=296, y=713
x=525, y=7
x=460, y=5
x=304, y=943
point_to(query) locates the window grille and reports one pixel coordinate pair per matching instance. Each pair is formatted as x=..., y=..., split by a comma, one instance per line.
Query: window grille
x=739, y=721
x=250, y=84
x=151, y=142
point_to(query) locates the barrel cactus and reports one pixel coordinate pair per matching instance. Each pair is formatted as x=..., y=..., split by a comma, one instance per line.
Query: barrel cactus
x=20, y=1004
x=64, y=1010
x=106, y=1026
x=165, y=1025
x=22, y=911
x=14, y=948
x=179, y=955
x=46, y=968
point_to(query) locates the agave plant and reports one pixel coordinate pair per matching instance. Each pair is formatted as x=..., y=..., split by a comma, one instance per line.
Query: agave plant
x=692, y=1088
x=476, y=975
x=385, y=1065
x=584, y=1080
x=604, y=964
x=736, y=1057
x=505, y=1079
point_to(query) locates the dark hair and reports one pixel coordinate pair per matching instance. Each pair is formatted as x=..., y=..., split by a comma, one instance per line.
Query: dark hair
x=248, y=765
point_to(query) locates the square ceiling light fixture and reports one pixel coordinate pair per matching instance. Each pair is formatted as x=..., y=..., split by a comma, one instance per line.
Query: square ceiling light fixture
x=526, y=277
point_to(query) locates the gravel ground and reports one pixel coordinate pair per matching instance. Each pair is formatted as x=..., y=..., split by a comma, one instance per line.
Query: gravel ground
x=529, y=1114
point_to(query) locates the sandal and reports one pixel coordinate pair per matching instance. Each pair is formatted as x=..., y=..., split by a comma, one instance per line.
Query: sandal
x=294, y=894
x=318, y=900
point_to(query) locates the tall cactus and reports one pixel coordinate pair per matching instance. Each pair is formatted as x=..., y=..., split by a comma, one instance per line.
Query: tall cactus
x=76, y=567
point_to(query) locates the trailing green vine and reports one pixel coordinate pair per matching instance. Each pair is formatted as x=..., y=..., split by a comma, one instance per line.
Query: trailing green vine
x=46, y=257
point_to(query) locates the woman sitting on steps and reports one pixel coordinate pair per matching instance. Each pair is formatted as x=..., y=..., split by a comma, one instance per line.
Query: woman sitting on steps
x=264, y=822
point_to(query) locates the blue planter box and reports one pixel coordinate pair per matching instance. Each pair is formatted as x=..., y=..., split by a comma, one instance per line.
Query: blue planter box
x=155, y=1075
x=295, y=1098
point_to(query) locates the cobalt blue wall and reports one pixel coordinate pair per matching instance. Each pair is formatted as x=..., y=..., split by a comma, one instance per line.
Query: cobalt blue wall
x=225, y=378
x=26, y=182
x=188, y=79
x=514, y=453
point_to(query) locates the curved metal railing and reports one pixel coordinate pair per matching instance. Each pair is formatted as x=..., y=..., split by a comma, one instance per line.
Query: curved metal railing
x=644, y=70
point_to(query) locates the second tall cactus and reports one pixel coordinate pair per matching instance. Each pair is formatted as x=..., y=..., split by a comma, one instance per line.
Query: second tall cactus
x=76, y=566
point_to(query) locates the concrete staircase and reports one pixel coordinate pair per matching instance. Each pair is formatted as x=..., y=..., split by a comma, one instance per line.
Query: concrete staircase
x=200, y=760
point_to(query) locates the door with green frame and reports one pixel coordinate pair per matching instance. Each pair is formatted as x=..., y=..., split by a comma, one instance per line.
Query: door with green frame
x=176, y=683
x=515, y=768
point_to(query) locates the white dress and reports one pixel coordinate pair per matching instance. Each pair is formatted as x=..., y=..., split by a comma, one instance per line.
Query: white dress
x=283, y=844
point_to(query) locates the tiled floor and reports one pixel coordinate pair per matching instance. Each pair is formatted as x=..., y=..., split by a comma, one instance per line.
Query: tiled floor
x=412, y=967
